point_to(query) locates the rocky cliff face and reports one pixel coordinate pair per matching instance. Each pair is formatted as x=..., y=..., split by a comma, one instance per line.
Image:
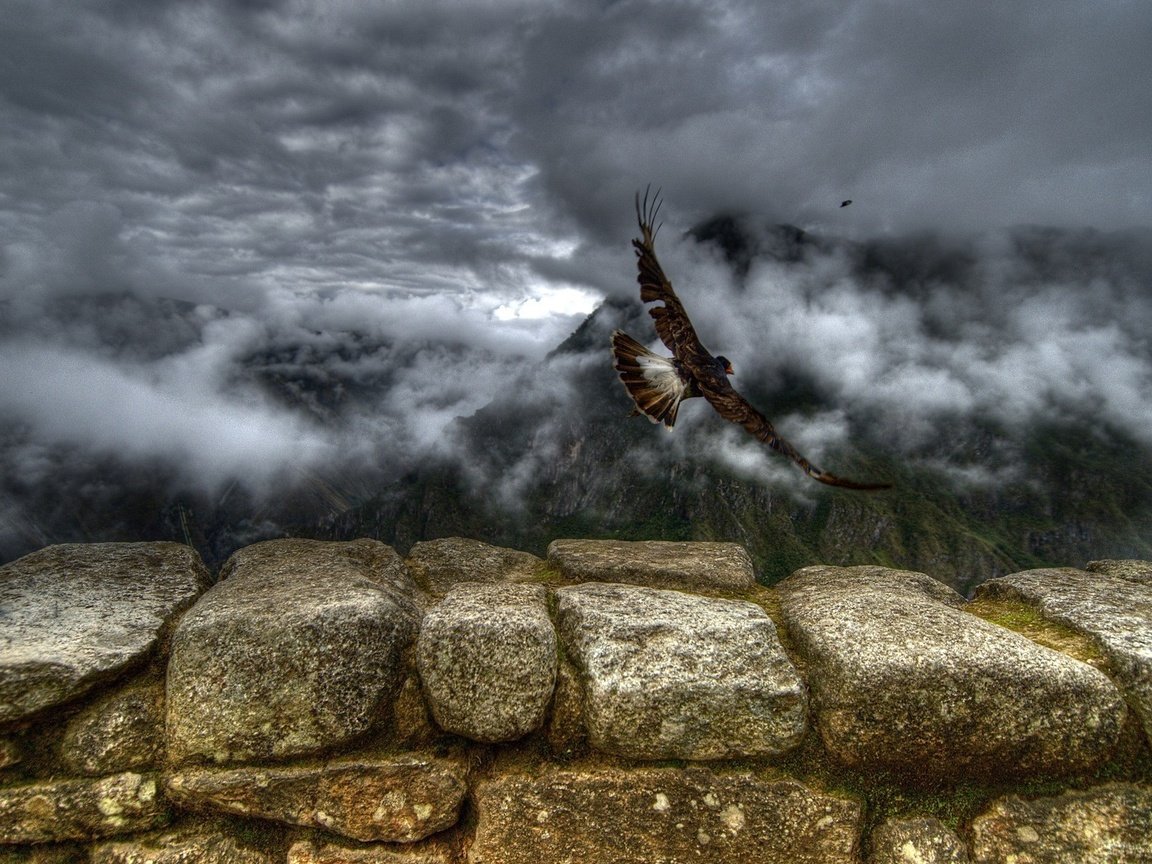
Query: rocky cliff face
x=614, y=701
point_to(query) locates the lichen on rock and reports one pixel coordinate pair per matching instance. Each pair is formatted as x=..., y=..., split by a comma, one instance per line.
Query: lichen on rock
x=401, y=798
x=1112, y=606
x=1109, y=824
x=643, y=815
x=55, y=810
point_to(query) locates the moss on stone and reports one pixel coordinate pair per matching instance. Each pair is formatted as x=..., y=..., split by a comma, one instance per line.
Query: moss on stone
x=1028, y=621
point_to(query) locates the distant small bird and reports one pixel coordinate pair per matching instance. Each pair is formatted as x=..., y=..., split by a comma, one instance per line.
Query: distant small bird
x=845, y=203
x=659, y=384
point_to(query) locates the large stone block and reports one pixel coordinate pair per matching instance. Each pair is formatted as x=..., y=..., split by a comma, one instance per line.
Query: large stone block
x=648, y=815
x=294, y=652
x=672, y=675
x=903, y=679
x=487, y=659
x=400, y=799
x=80, y=614
x=1112, y=606
x=52, y=811
x=441, y=564
x=1106, y=825
x=658, y=563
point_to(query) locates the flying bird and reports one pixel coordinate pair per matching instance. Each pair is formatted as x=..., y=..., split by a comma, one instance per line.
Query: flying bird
x=845, y=203
x=659, y=384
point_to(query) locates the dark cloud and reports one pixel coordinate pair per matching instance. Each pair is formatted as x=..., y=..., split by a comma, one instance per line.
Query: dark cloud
x=964, y=117
x=248, y=238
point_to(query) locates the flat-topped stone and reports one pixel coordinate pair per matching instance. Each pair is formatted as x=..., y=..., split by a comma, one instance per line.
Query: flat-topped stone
x=1112, y=606
x=645, y=815
x=487, y=660
x=673, y=675
x=398, y=799
x=79, y=614
x=294, y=652
x=659, y=563
x=1109, y=824
x=294, y=558
x=903, y=679
x=440, y=564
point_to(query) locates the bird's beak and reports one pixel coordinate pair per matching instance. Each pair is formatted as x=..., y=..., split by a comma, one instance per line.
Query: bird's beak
x=729, y=370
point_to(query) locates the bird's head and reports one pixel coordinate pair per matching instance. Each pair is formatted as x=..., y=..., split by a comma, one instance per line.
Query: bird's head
x=723, y=361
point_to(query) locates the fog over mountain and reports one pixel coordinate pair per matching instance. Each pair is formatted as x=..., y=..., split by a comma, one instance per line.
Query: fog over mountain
x=263, y=261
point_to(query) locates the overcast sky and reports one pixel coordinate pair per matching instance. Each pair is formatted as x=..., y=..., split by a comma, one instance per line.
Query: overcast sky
x=463, y=172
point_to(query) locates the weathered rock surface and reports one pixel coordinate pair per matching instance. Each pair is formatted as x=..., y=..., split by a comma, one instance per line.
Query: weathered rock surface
x=1132, y=570
x=659, y=563
x=440, y=564
x=293, y=652
x=902, y=679
x=672, y=675
x=649, y=815
x=487, y=659
x=1112, y=606
x=120, y=732
x=79, y=614
x=922, y=840
x=311, y=852
x=57, y=810
x=1107, y=825
x=401, y=799
x=195, y=846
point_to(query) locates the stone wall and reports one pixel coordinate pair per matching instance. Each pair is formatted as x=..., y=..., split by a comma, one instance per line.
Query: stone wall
x=322, y=703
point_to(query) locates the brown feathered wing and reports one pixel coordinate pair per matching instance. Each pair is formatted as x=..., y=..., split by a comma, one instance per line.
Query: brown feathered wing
x=730, y=405
x=677, y=333
x=672, y=324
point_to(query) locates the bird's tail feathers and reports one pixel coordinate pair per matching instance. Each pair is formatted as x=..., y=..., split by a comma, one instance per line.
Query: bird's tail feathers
x=652, y=381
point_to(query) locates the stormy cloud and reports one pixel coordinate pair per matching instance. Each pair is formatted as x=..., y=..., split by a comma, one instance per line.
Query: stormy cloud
x=249, y=242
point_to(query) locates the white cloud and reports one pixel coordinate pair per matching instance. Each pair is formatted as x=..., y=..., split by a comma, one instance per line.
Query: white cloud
x=173, y=411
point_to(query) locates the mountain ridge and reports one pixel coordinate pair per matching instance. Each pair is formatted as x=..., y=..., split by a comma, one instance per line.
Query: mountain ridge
x=557, y=454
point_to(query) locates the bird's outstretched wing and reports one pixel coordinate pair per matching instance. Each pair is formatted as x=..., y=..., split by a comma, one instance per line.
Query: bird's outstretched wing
x=677, y=333
x=730, y=405
x=672, y=324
